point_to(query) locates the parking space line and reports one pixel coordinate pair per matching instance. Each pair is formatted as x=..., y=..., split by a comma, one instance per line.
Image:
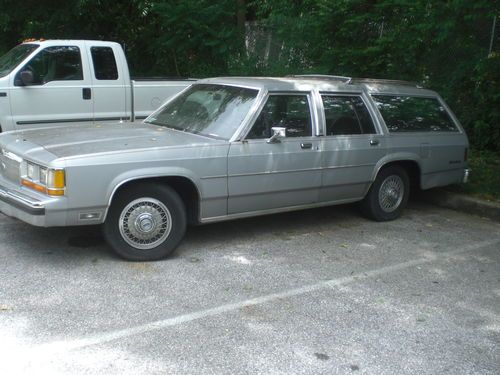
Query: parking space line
x=98, y=339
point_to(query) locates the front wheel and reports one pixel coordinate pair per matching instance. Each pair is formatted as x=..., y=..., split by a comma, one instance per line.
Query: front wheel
x=145, y=222
x=388, y=194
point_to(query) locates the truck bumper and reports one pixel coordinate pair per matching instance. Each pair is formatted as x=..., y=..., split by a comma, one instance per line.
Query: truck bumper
x=466, y=176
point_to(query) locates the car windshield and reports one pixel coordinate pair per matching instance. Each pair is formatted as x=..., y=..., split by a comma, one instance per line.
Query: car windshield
x=211, y=110
x=15, y=56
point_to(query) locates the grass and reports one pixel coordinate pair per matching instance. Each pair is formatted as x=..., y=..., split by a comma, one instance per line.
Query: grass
x=484, y=181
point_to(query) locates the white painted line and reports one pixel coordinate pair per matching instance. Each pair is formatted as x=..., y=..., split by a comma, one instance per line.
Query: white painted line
x=58, y=346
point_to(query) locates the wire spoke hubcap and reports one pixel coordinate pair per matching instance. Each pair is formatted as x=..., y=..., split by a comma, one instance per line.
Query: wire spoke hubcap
x=391, y=193
x=145, y=223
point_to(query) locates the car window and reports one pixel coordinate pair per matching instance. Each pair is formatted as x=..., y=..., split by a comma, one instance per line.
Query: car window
x=346, y=115
x=211, y=110
x=413, y=114
x=104, y=62
x=281, y=110
x=60, y=63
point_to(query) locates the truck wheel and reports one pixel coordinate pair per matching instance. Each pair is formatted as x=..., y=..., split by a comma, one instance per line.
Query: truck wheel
x=145, y=222
x=388, y=195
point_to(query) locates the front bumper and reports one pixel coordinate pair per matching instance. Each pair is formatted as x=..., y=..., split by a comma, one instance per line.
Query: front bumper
x=17, y=203
x=22, y=202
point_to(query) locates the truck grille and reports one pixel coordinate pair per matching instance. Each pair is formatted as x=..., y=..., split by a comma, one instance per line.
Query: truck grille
x=9, y=166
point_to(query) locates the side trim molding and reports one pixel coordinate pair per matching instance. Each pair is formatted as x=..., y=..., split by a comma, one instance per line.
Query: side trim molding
x=60, y=121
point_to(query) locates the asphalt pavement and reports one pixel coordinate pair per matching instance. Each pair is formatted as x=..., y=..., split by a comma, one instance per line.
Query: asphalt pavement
x=322, y=291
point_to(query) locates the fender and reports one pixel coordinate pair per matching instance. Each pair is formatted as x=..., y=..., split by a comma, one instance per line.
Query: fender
x=392, y=158
x=149, y=173
x=395, y=157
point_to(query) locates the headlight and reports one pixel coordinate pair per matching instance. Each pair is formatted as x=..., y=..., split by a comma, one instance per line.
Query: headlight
x=43, y=175
x=31, y=171
x=50, y=181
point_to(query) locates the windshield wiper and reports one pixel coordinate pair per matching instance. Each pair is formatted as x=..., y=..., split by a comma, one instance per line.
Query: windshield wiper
x=165, y=125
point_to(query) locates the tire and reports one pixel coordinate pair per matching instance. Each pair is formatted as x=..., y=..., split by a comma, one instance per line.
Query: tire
x=145, y=222
x=388, y=194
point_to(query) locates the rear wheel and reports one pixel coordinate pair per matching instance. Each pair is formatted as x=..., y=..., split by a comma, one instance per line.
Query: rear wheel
x=388, y=194
x=145, y=222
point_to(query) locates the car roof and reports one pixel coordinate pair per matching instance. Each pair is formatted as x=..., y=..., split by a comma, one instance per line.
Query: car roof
x=323, y=83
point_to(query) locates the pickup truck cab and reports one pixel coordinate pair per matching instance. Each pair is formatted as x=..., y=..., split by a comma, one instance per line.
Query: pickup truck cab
x=228, y=148
x=62, y=82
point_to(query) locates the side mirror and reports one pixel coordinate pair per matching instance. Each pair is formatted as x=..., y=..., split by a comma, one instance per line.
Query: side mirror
x=278, y=133
x=27, y=77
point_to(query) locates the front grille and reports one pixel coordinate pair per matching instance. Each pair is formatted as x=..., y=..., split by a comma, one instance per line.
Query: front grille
x=9, y=167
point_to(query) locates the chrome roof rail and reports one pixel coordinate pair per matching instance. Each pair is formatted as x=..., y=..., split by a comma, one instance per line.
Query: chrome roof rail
x=386, y=81
x=322, y=76
x=351, y=80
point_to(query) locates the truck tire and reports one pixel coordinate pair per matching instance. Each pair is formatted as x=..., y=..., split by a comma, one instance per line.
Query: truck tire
x=388, y=194
x=145, y=222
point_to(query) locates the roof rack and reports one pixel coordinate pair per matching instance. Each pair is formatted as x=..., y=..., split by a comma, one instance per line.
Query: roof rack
x=351, y=80
x=322, y=76
x=385, y=81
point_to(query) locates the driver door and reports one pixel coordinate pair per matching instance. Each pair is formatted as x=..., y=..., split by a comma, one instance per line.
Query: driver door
x=60, y=91
x=265, y=176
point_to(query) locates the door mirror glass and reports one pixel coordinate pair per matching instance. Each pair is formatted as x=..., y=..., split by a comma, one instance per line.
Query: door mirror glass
x=27, y=77
x=278, y=133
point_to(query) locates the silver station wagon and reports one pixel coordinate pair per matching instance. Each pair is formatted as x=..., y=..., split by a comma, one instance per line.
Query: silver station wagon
x=228, y=148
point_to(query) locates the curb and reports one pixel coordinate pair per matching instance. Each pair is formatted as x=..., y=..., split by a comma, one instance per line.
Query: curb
x=461, y=202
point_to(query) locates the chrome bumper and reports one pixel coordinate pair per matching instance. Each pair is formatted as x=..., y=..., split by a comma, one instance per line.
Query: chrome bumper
x=16, y=204
x=465, y=178
x=22, y=202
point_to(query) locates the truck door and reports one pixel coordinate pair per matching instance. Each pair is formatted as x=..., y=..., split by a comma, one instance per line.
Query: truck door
x=59, y=91
x=109, y=83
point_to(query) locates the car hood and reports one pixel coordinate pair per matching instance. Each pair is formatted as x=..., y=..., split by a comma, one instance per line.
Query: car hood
x=73, y=141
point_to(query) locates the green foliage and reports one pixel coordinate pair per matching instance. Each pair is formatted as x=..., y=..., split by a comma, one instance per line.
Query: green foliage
x=196, y=36
x=441, y=44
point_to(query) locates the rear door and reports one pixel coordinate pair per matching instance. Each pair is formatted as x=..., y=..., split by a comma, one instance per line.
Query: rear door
x=352, y=146
x=58, y=94
x=264, y=176
x=109, y=84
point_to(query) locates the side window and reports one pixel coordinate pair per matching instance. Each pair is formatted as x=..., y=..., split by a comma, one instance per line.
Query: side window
x=62, y=63
x=288, y=111
x=346, y=115
x=414, y=114
x=104, y=62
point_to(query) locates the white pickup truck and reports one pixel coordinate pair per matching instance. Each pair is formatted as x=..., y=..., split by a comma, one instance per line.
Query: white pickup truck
x=62, y=82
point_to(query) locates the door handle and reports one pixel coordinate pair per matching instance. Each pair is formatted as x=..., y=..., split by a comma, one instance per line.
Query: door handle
x=374, y=142
x=306, y=145
x=86, y=93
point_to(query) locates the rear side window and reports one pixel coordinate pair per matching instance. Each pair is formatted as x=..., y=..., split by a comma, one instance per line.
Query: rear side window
x=414, y=114
x=346, y=115
x=104, y=63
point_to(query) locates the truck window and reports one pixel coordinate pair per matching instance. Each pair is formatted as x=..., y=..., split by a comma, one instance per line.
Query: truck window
x=104, y=63
x=288, y=111
x=61, y=63
x=345, y=115
x=414, y=114
x=14, y=57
